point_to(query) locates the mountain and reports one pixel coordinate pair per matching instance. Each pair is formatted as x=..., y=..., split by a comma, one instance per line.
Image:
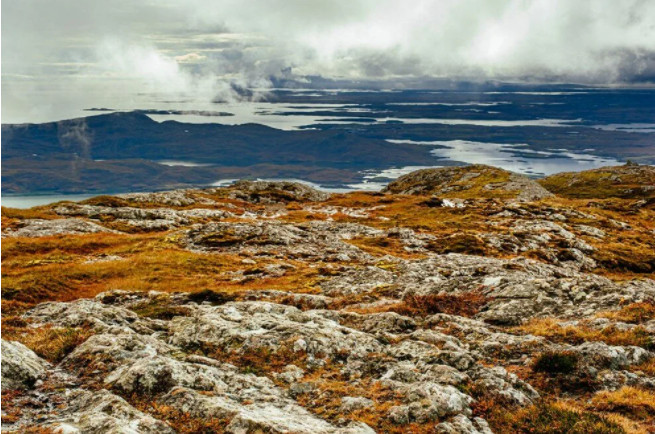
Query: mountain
x=122, y=150
x=273, y=307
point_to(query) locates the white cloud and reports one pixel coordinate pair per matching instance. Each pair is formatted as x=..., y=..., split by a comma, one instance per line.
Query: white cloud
x=197, y=45
x=190, y=58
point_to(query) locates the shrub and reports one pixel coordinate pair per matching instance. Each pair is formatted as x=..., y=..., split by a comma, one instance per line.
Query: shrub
x=213, y=297
x=463, y=304
x=554, y=362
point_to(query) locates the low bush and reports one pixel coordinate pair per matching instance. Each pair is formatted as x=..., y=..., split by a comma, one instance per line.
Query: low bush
x=213, y=297
x=554, y=362
x=463, y=304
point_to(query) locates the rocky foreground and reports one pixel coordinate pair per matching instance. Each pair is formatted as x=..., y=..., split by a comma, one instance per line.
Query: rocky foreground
x=460, y=300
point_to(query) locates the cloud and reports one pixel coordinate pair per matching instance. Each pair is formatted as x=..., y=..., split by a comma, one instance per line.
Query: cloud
x=206, y=47
x=190, y=58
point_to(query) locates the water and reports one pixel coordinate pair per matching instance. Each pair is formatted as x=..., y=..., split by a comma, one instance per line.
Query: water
x=606, y=119
x=515, y=157
x=29, y=201
x=181, y=163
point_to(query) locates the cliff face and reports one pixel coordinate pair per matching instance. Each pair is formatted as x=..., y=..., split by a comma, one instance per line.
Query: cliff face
x=271, y=307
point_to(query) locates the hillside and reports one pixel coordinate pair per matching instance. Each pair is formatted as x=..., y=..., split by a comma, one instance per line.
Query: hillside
x=474, y=181
x=629, y=181
x=123, y=150
x=457, y=301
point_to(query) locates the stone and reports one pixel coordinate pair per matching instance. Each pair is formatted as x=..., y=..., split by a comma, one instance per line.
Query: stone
x=21, y=368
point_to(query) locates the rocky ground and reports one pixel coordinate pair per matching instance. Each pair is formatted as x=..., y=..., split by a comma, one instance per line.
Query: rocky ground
x=458, y=301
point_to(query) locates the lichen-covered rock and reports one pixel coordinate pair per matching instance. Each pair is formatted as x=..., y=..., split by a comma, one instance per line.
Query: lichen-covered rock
x=103, y=412
x=142, y=218
x=21, y=368
x=169, y=198
x=275, y=192
x=295, y=319
x=42, y=228
x=89, y=313
x=316, y=239
x=468, y=181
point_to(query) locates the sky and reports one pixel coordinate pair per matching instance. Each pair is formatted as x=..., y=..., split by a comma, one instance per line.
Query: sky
x=58, y=54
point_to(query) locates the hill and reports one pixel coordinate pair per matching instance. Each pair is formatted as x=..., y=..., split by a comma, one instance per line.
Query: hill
x=474, y=181
x=124, y=150
x=628, y=181
x=272, y=307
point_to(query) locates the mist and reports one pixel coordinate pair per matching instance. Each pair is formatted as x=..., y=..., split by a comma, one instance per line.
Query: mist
x=58, y=56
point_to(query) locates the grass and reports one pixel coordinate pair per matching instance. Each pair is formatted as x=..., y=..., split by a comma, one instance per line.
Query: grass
x=49, y=342
x=602, y=183
x=647, y=367
x=37, y=270
x=544, y=418
x=576, y=334
x=329, y=386
x=627, y=400
x=380, y=246
x=634, y=313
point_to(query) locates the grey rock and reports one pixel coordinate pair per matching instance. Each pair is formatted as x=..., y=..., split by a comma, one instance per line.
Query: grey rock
x=33, y=228
x=21, y=368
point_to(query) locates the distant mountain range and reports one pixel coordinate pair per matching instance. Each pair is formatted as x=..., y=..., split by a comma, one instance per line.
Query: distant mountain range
x=120, y=152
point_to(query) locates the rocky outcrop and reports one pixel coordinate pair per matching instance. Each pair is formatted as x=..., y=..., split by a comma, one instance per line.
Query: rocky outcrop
x=284, y=240
x=176, y=198
x=104, y=412
x=276, y=192
x=631, y=181
x=303, y=313
x=42, y=228
x=150, y=219
x=477, y=181
x=21, y=368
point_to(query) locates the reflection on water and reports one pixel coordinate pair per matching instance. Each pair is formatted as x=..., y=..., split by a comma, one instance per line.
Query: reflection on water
x=515, y=157
x=628, y=128
x=479, y=122
x=296, y=116
x=181, y=163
